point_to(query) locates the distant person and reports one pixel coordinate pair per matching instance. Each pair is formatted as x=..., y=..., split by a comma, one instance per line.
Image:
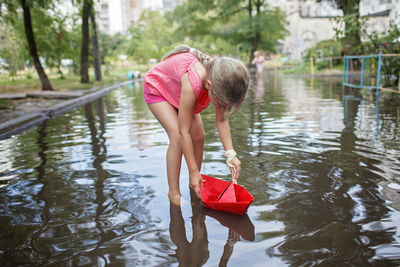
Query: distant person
x=177, y=89
x=258, y=60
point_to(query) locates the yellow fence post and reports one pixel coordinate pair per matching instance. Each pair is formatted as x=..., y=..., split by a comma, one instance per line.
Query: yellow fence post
x=312, y=65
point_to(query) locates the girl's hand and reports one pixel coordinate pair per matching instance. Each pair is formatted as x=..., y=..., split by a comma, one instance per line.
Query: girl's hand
x=235, y=170
x=196, y=182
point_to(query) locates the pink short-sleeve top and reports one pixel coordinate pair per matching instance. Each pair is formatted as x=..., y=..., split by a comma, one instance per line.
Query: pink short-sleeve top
x=164, y=79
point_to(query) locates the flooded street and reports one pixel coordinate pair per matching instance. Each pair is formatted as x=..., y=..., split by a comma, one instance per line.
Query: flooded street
x=90, y=188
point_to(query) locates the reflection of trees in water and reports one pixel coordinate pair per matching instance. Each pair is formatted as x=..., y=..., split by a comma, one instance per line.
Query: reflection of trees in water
x=41, y=179
x=99, y=152
x=254, y=132
x=139, y=118
x=35, y=195
x=52, y=212
x=324, y=199
x=331, y=196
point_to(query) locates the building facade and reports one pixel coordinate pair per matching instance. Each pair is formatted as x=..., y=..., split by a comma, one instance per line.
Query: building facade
x=311, y=21
x=117, y=15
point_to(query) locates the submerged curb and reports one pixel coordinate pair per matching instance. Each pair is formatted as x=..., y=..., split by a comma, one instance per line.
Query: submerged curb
x=24, y=122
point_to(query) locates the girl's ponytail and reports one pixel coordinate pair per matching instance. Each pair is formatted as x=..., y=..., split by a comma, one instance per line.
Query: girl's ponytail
x=204, y=58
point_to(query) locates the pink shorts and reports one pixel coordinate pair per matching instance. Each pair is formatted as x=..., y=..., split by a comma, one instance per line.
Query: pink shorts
x=150, y=98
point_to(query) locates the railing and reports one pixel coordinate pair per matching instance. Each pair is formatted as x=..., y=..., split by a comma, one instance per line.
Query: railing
x=377, y=86
x=374, y=85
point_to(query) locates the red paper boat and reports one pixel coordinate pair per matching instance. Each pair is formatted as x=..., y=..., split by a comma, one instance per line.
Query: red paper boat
x=212, y=190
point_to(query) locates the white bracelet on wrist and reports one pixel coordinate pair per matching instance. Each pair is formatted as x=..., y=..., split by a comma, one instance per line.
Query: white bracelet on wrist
x=230, y=154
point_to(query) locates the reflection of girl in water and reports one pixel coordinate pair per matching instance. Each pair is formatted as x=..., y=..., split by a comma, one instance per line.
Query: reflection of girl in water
x=259, y=62
x=196, y=253
x=193, y=253
x=260, y=91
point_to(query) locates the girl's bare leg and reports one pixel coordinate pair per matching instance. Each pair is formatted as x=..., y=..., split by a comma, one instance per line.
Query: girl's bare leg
x=167, y=115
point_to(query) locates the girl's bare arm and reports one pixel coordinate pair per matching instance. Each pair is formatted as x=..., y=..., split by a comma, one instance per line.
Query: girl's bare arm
x=224, y=132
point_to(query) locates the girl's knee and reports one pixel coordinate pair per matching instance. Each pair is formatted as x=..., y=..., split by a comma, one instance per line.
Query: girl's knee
x=198, y=138
x=174, y=138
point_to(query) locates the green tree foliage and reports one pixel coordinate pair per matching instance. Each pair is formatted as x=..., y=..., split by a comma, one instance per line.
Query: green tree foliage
x=325, y=48
x=11, y=58
x=351, y=24
x=112, y=46
x=150, y=37
x=246, y=25
x=9, y=12
x=387, y=43
x=53, y=40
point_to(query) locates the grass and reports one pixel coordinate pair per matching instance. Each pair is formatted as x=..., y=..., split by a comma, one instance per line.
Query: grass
x=5, y=103
x=28, y=80
x=305, y=68
x=71, y=82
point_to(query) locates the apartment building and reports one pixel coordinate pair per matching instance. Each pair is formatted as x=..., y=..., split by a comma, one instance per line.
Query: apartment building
x=311, y=21
x=118, y=15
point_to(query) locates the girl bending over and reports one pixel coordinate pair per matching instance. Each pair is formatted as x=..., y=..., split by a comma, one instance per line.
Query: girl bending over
x=177, y=89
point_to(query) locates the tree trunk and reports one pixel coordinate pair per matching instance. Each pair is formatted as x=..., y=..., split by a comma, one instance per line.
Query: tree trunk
x=85, y=41
x=352, y=37
x=255, y=26
x=46, y=85
x=95, y=45
x=258, y=28
x=253, y=48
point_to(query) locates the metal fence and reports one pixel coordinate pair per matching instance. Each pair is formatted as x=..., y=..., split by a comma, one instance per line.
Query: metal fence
x=376, y=80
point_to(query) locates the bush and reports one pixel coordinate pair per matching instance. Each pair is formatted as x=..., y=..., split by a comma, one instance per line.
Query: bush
x=387, y=43
x=325, y=48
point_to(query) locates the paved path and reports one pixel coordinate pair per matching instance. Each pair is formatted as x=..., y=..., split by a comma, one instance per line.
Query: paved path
x=43, y=94
x=30, y=119
x=13, y=96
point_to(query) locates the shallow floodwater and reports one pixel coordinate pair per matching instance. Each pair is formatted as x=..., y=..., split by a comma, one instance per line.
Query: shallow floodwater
x=89, y=187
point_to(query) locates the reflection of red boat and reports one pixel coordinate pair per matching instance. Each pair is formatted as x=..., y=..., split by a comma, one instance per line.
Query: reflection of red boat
x=240, y=224
x=212, y=190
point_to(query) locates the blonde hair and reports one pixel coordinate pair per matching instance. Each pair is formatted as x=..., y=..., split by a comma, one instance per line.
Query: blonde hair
x=204, y=58
x=229, y=81
x=228, y=76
